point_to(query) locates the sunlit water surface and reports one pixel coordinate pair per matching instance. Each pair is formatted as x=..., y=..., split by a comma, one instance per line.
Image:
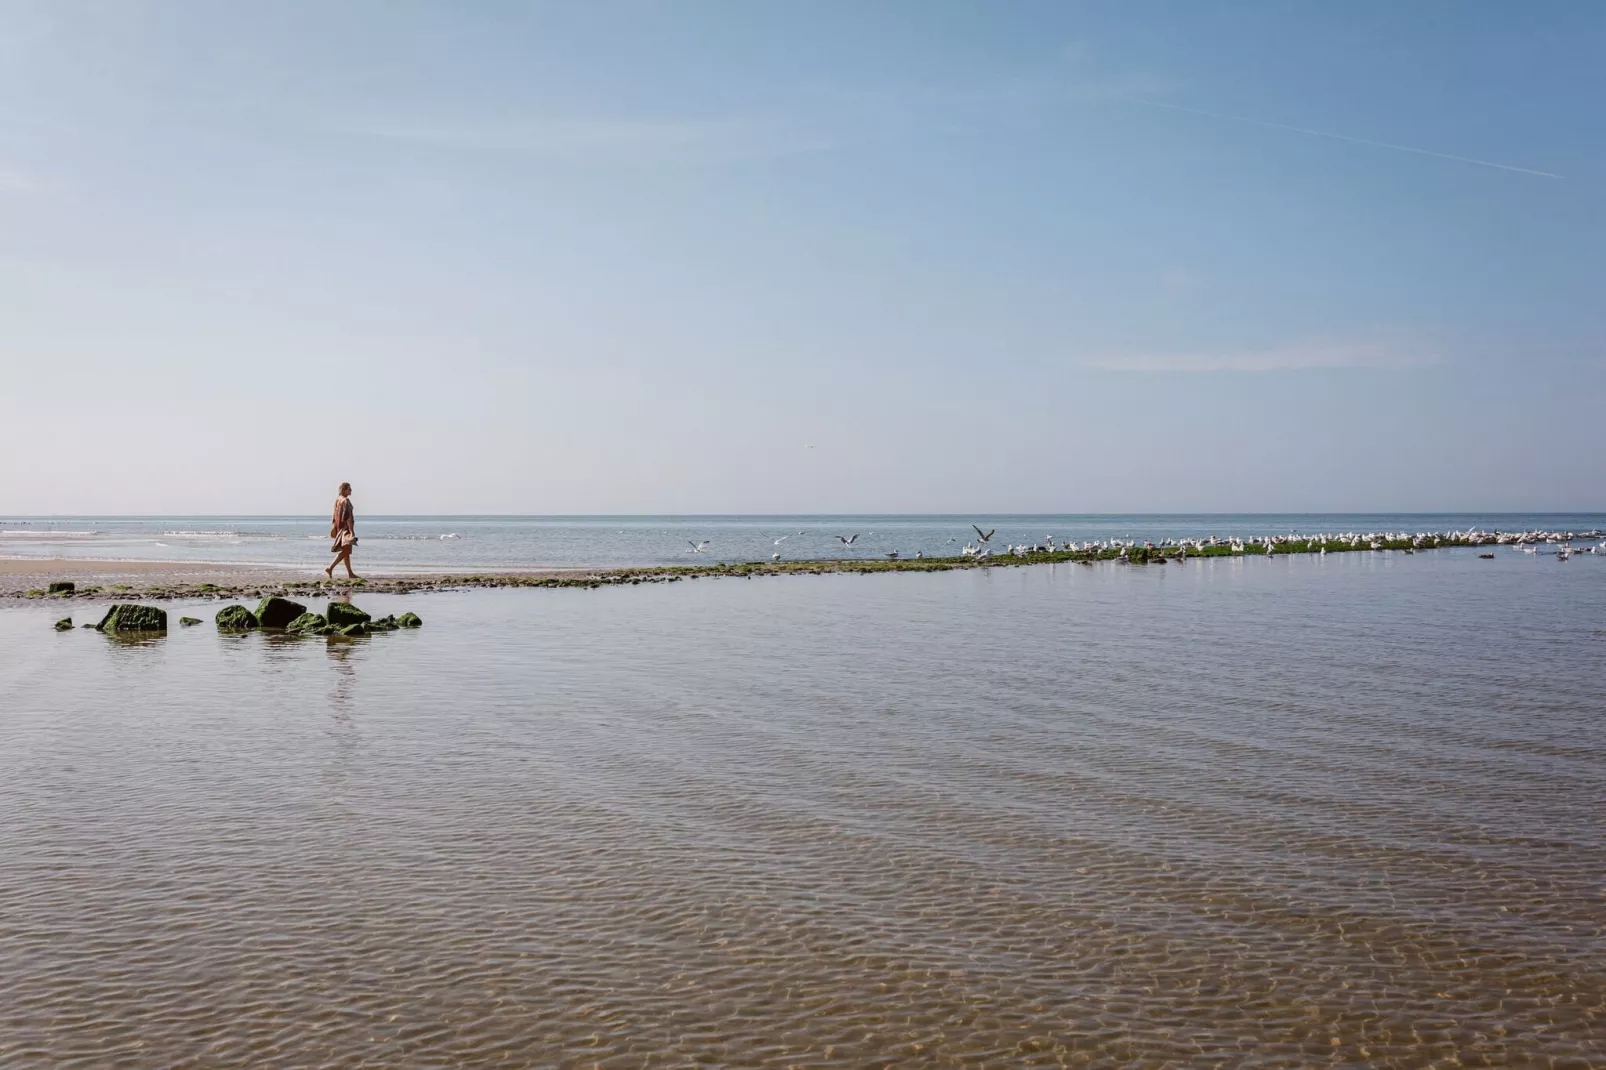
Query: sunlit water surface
x=1342, y=811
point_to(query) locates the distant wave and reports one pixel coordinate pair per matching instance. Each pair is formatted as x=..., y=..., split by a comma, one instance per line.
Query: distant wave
x=42, y=534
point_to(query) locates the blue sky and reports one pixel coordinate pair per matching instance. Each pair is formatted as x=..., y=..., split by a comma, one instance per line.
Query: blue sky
x=622, y=257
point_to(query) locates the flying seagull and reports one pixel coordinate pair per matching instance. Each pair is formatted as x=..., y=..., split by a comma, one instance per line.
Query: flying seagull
x=985, y=535
x=697, y=547
x=848, y=540
x=782, y=539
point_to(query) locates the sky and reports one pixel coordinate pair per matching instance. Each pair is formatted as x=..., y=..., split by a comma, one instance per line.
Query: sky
x=801, y=257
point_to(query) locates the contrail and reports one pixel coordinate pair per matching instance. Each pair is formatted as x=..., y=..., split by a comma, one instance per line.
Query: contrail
x=1341, y=137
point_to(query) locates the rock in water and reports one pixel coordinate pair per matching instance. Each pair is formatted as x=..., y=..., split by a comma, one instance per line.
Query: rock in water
x=409, y=620
x=357, y=628
x=278, y=612
x=189, y=621
x=132, y=618
x=61, y=587
x=383, y=624
x=64, y=624
x=344, y=613
x=309, y=624
x=235, y=619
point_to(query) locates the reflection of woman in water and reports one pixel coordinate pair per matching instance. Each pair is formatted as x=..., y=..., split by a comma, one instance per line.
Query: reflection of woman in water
x=343, y=530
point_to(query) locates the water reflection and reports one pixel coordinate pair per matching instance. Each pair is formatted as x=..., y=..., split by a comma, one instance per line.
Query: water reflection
x=1221, y=813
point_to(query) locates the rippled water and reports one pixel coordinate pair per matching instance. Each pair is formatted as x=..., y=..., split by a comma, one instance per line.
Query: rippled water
x=1342, y=811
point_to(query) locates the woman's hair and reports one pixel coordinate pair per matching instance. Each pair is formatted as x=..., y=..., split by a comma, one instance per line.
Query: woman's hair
x=345, y=489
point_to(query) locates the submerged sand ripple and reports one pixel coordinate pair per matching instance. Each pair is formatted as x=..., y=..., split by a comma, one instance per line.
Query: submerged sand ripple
x=823, y=824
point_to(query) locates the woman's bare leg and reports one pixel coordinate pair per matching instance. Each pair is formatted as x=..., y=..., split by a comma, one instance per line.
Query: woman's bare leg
x=342, y=558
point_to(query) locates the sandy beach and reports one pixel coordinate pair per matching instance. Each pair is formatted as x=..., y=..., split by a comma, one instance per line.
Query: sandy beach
x=26, y=578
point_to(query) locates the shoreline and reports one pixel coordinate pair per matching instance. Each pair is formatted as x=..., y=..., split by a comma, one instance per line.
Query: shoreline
x=27, y=579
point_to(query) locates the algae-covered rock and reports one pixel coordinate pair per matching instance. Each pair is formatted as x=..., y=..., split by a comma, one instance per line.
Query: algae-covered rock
x=61, y=587
x=235, y=619
x=64, y=624
x=189, y=622
x=343, y=613
x=309, y=624
x=383, y=624
x=275, y=612
x=409, y=620
x=355, y=629
x=133, y=618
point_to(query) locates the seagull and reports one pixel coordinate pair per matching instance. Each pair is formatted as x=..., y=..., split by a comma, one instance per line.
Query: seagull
x=697, y=547
x=893, y=554
x=985, y=535
x=775, y=557
x=782, y=539
x=848, y=540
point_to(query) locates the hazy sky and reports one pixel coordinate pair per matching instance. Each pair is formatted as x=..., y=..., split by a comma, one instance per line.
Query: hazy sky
x=622, y=257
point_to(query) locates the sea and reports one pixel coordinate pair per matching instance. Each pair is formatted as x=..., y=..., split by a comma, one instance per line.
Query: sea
x=482, y=543
x=1299, y=811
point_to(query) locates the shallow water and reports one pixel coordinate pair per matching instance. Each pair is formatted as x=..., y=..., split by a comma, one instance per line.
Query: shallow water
x=436, y=543
x=1340, y=811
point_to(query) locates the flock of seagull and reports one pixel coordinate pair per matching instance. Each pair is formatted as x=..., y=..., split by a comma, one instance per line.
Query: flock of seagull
x=1525, y=541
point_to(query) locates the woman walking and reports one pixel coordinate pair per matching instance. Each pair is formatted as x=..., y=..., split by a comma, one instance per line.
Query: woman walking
x=343, y=530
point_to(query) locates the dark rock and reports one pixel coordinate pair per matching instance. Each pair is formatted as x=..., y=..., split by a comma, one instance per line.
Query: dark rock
x=383, y=624
x=275, y=612
x=64, y=624
x=189, y=621
x=409, y=620
x=89, y=624
x=133, y=618
x=355, y=629
x=344, y=613
x=235, y=619
x=61, y=587
x=309, y=624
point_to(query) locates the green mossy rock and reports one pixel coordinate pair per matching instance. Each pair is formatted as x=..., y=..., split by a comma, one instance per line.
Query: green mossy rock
x=64, y=624
x=344, y=613
x=61, y=587
x=275, y=612
x=309, y=624
x=133, y=618
x=383, y=624
x=189, y=622
x=409, y=620
x=359, y=628
x=235, y=619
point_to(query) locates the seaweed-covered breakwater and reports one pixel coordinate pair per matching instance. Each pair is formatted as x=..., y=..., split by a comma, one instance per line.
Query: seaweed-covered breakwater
x=980, y=555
